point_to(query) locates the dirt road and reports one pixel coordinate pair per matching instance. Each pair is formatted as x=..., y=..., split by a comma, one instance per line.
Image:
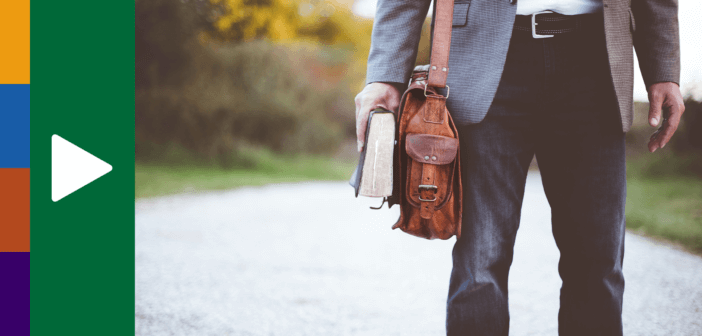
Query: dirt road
x=309, y=259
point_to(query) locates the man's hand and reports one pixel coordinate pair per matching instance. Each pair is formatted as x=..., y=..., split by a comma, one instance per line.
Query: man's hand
x=374, y=95
x=665, y=99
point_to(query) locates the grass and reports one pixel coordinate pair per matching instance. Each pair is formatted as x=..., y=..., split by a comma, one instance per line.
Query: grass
x=664, y=196
x=157, y=179
x=663, y=199
x=668, y=207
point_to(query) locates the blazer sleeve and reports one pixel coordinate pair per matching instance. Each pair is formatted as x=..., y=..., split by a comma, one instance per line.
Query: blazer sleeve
x=396, y=31
x=657, y=40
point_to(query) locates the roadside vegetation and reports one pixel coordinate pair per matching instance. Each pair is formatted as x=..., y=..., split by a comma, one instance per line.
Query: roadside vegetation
x=664, y=193
x=231, y=93
x=254, y=167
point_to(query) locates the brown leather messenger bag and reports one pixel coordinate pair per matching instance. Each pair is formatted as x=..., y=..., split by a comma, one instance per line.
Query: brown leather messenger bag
x=427, y=167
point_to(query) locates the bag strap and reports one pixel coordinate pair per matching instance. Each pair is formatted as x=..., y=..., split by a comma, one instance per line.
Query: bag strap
x=441, y=44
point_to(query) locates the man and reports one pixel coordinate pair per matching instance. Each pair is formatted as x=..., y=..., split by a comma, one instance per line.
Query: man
x=561, y=88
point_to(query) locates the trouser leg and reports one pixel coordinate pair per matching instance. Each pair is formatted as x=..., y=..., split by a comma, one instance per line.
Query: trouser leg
x=581, y=154
x=495, y=156
x=477, y=301
x=555, y=98
x=587, y=191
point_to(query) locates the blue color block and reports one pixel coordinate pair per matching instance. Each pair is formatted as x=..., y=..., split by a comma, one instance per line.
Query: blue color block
x=14, y=125
x=14, y=293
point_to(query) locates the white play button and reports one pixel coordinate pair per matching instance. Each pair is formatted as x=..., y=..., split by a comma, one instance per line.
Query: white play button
x=72, y=168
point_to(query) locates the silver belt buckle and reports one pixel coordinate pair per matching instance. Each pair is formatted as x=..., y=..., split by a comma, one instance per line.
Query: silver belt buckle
x=533, y=25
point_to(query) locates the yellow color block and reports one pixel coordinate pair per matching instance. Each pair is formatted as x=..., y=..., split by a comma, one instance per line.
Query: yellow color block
x=14, y=41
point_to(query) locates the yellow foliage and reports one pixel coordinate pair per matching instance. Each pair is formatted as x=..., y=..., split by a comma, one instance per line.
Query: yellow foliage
x=323, y=22
x=278, y=20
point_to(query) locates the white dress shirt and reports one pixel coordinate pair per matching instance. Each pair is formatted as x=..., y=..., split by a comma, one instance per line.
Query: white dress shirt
x=565, y=7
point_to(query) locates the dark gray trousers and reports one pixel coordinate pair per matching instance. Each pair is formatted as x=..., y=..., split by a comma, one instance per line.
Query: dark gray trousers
x=555, y=100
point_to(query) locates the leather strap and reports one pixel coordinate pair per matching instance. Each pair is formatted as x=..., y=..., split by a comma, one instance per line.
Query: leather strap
x=432, y=114
x=441, y=44
x=428, y=194
x=433, y=107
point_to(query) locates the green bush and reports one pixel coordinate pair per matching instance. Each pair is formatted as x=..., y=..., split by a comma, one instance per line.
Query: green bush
x=664, y=189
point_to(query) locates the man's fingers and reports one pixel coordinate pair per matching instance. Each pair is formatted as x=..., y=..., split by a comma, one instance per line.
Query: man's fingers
x=357, y=101
x=661, y=137
x=654, y=119
x=653, y=143
x=361, y=124
x=360, y=132
x=671, y=124
x=655, y=109
x=664, y=97
x=374, y=95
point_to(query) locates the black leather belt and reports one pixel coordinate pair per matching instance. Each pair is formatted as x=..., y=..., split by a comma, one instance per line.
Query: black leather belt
x=548, y=24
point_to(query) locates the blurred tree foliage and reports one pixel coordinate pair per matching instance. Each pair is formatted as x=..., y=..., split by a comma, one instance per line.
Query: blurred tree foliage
x=687, y=142
x=321, y=21
x=692, y=124
x=215, y=77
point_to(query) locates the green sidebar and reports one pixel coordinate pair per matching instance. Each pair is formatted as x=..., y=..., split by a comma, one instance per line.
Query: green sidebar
x=82, y=88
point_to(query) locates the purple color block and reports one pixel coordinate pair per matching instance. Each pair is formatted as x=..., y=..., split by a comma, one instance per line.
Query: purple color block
x=14, y=293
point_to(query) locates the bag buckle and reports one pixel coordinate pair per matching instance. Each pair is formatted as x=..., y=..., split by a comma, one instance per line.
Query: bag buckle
x=448, y=90
x=428, y=186
x=533, y=25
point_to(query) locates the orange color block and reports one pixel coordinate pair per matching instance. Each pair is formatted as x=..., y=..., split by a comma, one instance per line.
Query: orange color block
x=14, y=42
x=14, y=209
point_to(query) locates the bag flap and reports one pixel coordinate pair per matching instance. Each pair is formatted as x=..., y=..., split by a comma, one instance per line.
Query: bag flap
x=433, y=149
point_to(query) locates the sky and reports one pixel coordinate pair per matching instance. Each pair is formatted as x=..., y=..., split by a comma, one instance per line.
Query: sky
x=690, y=19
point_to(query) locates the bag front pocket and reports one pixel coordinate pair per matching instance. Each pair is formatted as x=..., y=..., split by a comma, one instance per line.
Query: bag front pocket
x=431, y=161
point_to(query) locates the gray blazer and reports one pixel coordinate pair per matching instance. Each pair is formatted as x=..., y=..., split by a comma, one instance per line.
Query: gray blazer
x=480, y=38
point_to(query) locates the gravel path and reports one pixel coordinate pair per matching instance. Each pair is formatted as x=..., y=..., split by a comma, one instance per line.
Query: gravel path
x=309, y=259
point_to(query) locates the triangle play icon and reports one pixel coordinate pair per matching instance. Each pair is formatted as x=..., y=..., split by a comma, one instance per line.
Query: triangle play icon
x=72, y=168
